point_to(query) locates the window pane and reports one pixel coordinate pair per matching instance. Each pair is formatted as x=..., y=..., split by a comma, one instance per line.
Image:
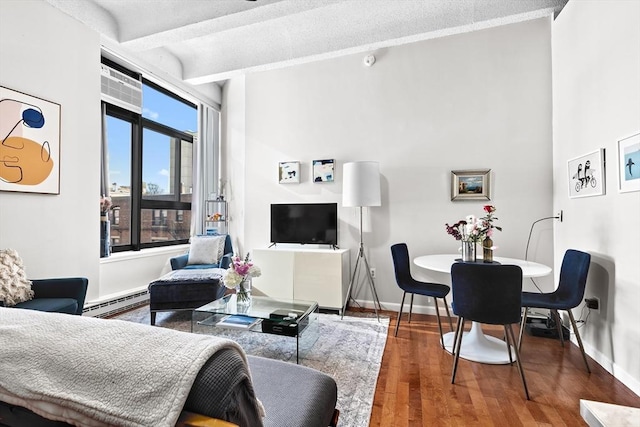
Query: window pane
x=161, y=225
x=168, y=111
x=186, y=171
x=119, y=142
x=158, y=165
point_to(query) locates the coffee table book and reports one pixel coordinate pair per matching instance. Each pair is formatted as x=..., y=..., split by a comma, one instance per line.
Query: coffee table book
x=231, y=321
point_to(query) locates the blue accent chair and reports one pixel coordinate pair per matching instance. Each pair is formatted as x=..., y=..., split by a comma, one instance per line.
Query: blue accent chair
x=400, y=255
x=568, y=295
x=180, y=262
x=491, y=294
x=62, y=295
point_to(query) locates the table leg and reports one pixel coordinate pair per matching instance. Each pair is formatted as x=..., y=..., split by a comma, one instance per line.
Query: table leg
x=478, y=347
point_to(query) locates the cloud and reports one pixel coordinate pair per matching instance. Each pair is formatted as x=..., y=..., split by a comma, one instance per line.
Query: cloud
x=150, y=114
x=163, y=172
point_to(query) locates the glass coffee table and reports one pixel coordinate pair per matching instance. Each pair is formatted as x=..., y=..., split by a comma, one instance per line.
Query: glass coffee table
x=288, y=318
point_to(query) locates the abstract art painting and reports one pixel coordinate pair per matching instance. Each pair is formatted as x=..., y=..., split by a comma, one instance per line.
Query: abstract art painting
x=323, y=170
x=289, y=173
x=29, y=143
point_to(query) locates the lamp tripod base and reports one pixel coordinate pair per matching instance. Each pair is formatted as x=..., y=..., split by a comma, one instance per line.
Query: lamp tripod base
x=376, y=302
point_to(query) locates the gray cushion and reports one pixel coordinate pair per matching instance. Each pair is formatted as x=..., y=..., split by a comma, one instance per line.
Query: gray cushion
x=293, y=395
x=206, y=249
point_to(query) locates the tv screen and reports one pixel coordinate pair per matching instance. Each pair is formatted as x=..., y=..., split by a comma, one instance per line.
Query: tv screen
x=305, y=223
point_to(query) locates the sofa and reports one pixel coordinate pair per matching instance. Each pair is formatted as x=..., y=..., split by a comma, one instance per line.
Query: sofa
x=213, y=379
x=60, y=295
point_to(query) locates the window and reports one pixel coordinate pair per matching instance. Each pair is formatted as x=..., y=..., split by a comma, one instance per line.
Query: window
x=150, y=168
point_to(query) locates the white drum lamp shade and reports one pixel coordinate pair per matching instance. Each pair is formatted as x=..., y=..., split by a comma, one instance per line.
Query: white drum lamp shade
x=361, y=184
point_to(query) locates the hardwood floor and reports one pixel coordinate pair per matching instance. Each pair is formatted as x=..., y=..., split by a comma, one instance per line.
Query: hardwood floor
x=414, y=386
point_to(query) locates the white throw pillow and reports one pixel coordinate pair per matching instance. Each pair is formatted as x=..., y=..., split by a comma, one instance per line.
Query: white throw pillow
x=206, y=249
x=14, y=285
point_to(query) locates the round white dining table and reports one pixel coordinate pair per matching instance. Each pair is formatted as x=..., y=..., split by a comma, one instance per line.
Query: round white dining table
x=476, y=345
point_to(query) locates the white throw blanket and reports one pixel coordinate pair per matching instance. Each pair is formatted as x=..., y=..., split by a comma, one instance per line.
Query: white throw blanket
x=96, y=372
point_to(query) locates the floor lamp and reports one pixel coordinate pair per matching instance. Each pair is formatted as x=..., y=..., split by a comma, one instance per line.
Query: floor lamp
x=361, y=188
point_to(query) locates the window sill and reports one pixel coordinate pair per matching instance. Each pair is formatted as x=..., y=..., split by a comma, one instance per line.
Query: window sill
x=145, y=253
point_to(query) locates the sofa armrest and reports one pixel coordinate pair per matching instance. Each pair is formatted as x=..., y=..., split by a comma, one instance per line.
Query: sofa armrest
x=64, y=287
x=179, y=262
x=225, y=261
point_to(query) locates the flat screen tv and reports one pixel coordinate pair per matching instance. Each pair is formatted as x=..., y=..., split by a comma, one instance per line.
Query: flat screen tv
x=304, y=223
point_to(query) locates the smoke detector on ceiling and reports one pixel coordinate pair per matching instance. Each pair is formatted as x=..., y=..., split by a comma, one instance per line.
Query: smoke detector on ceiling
x=369, y=60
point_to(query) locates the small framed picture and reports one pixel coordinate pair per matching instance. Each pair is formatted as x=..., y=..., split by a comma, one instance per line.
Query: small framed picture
x=586, y=175
x=471, y=184
x=323, y=170
x=289, y=173
x=629, y=163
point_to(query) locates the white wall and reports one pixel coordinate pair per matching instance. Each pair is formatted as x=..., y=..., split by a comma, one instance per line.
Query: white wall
x=49, y=55
x=596, y=78
x=476, y=100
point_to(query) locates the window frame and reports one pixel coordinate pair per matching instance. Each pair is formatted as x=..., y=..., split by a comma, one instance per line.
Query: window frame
x=171, y=202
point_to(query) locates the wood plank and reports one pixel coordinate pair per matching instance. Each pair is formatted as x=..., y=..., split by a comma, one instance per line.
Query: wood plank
x=414, y=386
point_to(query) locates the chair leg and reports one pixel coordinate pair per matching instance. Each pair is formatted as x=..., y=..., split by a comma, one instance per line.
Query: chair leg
x=457, y=341
x=411, y=308
x=575, y=330
x=559, y=326
x=435, y=300
x=446, y=307
x=509, y=331
x=509, y=343
x=523, y=323
x=399, y=314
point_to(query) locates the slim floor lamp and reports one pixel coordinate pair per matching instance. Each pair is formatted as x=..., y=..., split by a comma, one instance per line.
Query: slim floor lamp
x=361, y=188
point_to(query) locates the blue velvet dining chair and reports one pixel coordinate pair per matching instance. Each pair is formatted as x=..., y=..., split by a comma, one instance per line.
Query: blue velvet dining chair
x=402, y=268
x=491, y=294
x=568, y=295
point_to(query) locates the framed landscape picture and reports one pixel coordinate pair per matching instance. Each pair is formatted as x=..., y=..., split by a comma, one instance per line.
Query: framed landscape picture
x=30, y=150
x=586, y=175
x=471, y=184
x=289, y=173
x=629, y=164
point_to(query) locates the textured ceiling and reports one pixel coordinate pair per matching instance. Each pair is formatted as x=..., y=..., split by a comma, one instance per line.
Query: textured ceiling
x=213, y=40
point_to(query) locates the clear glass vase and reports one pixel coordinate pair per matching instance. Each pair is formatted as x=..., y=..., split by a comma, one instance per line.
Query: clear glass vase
x=243, y=293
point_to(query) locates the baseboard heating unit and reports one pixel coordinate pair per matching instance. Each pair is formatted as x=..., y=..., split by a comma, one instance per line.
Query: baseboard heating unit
x=117, y=305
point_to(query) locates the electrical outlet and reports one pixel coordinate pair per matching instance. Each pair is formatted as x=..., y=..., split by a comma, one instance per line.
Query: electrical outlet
x=593, y=303
x=373, y=272
x=560, y=215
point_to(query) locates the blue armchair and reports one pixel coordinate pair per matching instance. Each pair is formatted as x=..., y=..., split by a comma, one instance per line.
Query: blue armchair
x=181, y=261
x=62, y=295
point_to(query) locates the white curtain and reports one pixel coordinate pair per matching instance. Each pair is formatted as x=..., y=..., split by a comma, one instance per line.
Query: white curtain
x=205, y=164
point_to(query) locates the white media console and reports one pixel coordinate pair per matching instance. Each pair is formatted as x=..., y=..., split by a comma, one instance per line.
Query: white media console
x=320, y=275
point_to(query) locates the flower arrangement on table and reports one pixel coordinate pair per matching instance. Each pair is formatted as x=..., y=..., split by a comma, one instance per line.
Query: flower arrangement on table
x=473, y=230
x=236, y=277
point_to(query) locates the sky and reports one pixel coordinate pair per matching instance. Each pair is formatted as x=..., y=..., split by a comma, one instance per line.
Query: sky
x=156, y=147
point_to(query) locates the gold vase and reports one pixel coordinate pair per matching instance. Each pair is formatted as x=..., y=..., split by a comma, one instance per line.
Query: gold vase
x=487, y=250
